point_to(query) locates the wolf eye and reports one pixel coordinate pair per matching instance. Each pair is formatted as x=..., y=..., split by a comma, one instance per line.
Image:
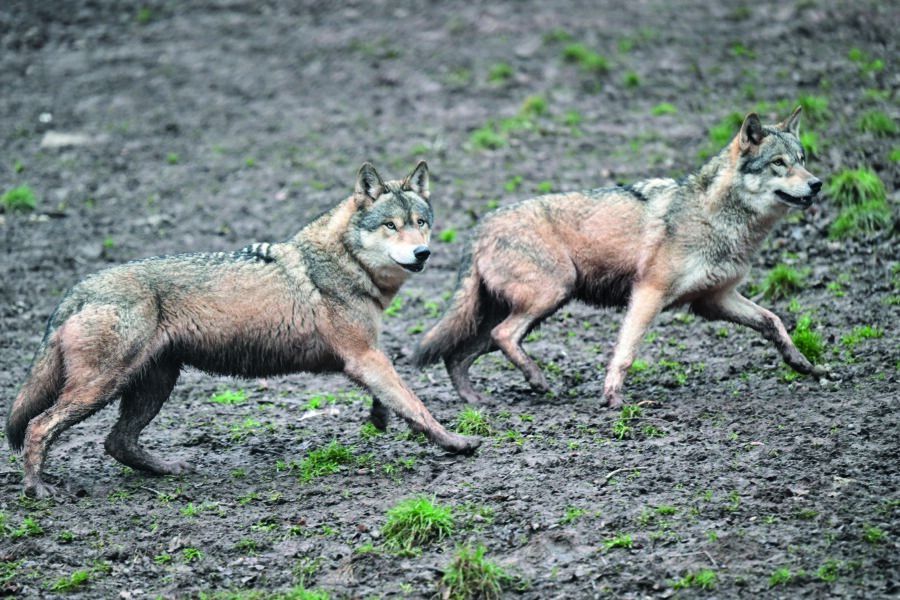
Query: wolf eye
x=778, y=162
x=390, y=225
x=421, y=223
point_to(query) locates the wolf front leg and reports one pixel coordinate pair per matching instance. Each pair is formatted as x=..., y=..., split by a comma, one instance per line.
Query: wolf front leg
x=646, y=301
x=733, y=307
x=373, y=370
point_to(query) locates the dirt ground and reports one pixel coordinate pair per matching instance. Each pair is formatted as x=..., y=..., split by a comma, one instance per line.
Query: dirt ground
x=208, y=125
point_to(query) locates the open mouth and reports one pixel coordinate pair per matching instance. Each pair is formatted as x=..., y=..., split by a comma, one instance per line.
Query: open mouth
x=802, y=202
x=415, y=267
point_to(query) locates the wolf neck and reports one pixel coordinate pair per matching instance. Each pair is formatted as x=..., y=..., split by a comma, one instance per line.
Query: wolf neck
x=329, y=236
x=728, y=202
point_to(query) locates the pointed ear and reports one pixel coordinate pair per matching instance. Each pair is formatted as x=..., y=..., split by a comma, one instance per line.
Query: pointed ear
x=752, y=132
x=792, y=123
x=417, y=181
x=368, y=183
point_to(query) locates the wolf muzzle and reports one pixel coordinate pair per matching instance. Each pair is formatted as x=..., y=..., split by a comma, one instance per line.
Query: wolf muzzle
x=805, y=201
x=422, y=253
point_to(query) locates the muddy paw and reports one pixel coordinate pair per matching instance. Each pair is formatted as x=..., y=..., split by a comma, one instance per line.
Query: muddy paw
x=39, y=489
x=823, y=372
x=177, y=467
x=461, y=444
x=614, y=400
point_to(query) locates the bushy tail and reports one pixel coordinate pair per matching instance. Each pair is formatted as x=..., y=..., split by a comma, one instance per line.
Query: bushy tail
x=38, y=393
x=459, y=323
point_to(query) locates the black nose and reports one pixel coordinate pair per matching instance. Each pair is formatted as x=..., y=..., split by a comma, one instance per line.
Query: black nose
x=422, y=253
x=815, y=185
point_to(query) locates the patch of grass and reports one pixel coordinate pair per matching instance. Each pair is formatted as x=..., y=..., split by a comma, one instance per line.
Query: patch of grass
x=325, y=461
x=877, y=123
x=72, y=582
x=620, y=541
x=487, y=138
x=663, y=109
x=8, y=571
x=394, y=309
x=470, y=575
x=780, y=577
x=873, y=535
x=229, y=397
x=830, y=570
x=448, y=236
x=864, y=219
x=815, y=109
x=586, y=58
x=782, y=281
x=866, y=65
x=513, y=183
x=172, y=158
x=704, y=579
x=622, y=426
x=739, y=50
x=20, y=199
x=722, y=133
x=192, y=554
x=631, y=80
x=500, y=73
x=853, y=187
x=472, y=421
x=29, y=528
x=808, y=342
x=415, y=522
x=534, y=106
x=573, y=513
x=810, y=143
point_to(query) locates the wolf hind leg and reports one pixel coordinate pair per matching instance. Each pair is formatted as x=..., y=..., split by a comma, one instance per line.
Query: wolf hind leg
x=460, y=361
x=141, y=402
x=509, y=334
x=76, y=403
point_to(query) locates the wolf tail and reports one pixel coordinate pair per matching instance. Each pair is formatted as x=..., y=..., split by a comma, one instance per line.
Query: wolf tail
x=38, y=393
x=461, y=320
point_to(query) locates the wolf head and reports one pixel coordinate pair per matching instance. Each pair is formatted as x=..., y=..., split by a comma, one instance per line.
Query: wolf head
x=772, y=162
x=392, y=225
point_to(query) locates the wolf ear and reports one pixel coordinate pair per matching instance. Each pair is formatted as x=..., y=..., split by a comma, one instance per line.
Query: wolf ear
x=368, y=183
x=792, y=123
x=752, y=132
x=417, y=181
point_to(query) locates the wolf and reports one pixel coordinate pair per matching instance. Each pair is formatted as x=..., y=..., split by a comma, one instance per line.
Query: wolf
x=649, y=246
x=311, y=303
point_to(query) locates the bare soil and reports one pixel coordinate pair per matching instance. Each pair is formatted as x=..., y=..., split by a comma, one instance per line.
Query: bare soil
x=208, y=125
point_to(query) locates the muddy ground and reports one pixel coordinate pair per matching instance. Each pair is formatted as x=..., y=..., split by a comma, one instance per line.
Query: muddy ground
x=208, y=125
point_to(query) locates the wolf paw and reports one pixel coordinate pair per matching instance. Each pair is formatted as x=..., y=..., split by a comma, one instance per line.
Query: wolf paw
x=614, y=400
x=459, y=444
x=39, y=489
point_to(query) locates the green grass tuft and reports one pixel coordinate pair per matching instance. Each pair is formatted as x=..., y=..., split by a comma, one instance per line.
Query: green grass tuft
x=415, y=522
x=586, y=58
x=470, y=575
x=853, y=187
x=808, y=342
x=472, y=421
x=782, y=281
x=325, y=461
x=19, y=199
x=877, y=123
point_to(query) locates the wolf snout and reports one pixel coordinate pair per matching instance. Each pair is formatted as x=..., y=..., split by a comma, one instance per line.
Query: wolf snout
x=422, y=253
x=815, y=185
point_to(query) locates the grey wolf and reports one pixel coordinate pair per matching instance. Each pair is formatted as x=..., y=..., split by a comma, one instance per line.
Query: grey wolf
x=649, y=246
x=312, y=303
